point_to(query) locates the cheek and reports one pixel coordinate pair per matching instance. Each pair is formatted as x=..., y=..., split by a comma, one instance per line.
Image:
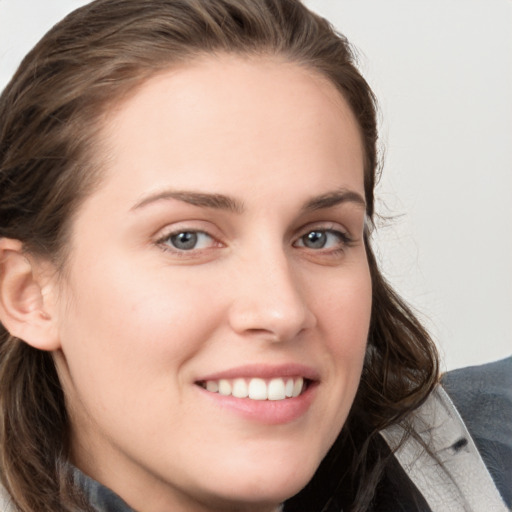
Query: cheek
x=126, y=345
x=346, y=314
x=344, y=323
x=346, y=308
x=126, y=327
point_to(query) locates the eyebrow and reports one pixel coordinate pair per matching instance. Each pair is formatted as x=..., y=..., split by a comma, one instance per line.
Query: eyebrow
x=223, y=202
x=203, y=200
x=335, y=198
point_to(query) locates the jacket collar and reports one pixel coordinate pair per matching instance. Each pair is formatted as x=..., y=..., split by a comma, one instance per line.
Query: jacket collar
x=441, y=458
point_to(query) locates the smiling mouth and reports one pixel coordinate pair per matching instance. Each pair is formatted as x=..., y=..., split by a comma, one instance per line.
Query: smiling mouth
x=257, y=388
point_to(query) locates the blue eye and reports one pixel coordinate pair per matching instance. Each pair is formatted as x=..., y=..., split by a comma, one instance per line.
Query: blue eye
x=188, y=240
x=323, y=239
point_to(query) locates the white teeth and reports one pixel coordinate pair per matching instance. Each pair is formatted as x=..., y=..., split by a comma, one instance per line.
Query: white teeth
x=240, y=389
x=256, y=388
x=213, y=386
x=224, y=387
x=289, y=388
x=297, y=387
x=276, y=389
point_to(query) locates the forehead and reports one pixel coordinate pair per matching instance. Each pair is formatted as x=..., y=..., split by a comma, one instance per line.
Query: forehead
x=250, y=113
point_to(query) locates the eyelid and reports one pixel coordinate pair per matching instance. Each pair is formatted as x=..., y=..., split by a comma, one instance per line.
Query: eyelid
x=346, y=239
x=333, y=227
x=163, y=236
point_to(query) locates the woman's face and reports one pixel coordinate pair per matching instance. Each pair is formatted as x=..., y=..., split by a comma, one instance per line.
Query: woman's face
x=222, y=255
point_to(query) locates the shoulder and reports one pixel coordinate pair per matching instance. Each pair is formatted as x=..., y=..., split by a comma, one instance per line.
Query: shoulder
x=483, y=398
x=458, y=456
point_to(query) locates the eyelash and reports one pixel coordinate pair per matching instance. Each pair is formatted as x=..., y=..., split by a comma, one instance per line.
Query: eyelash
x=345, y=241
x=165, y=241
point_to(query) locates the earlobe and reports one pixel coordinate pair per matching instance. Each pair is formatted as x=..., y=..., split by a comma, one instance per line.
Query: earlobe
x=26, y=310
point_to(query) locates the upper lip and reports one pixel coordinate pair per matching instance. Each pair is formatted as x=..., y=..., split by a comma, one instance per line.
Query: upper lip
x=264, y=371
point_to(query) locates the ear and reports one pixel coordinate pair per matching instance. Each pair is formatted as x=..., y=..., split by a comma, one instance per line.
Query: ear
x=27, y=310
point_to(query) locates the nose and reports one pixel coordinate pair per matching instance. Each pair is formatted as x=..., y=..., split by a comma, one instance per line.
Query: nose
x=268, y=300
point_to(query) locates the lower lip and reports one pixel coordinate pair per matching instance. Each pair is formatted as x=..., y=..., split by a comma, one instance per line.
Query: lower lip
x=268, y=412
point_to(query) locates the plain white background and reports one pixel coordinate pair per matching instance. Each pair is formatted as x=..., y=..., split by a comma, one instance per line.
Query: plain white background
x=442, y=71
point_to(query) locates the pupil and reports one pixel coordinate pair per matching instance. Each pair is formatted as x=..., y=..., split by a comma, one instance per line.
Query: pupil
x=184, y=240
x=315, y=239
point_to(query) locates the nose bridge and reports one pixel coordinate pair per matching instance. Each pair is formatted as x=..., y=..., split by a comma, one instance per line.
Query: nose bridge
x=268, y=298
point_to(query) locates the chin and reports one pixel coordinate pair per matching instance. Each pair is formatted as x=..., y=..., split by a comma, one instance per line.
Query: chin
x=268, y=484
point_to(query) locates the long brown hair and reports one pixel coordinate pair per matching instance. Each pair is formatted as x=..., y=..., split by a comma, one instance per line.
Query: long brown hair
x=49, y=116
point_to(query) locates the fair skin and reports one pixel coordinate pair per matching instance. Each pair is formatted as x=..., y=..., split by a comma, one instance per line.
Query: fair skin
x=223, y=248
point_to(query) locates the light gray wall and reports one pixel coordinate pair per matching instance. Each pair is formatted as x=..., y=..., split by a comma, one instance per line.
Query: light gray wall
x=442, y=71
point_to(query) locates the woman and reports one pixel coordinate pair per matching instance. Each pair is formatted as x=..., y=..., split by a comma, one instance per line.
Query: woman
x=193, y=318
